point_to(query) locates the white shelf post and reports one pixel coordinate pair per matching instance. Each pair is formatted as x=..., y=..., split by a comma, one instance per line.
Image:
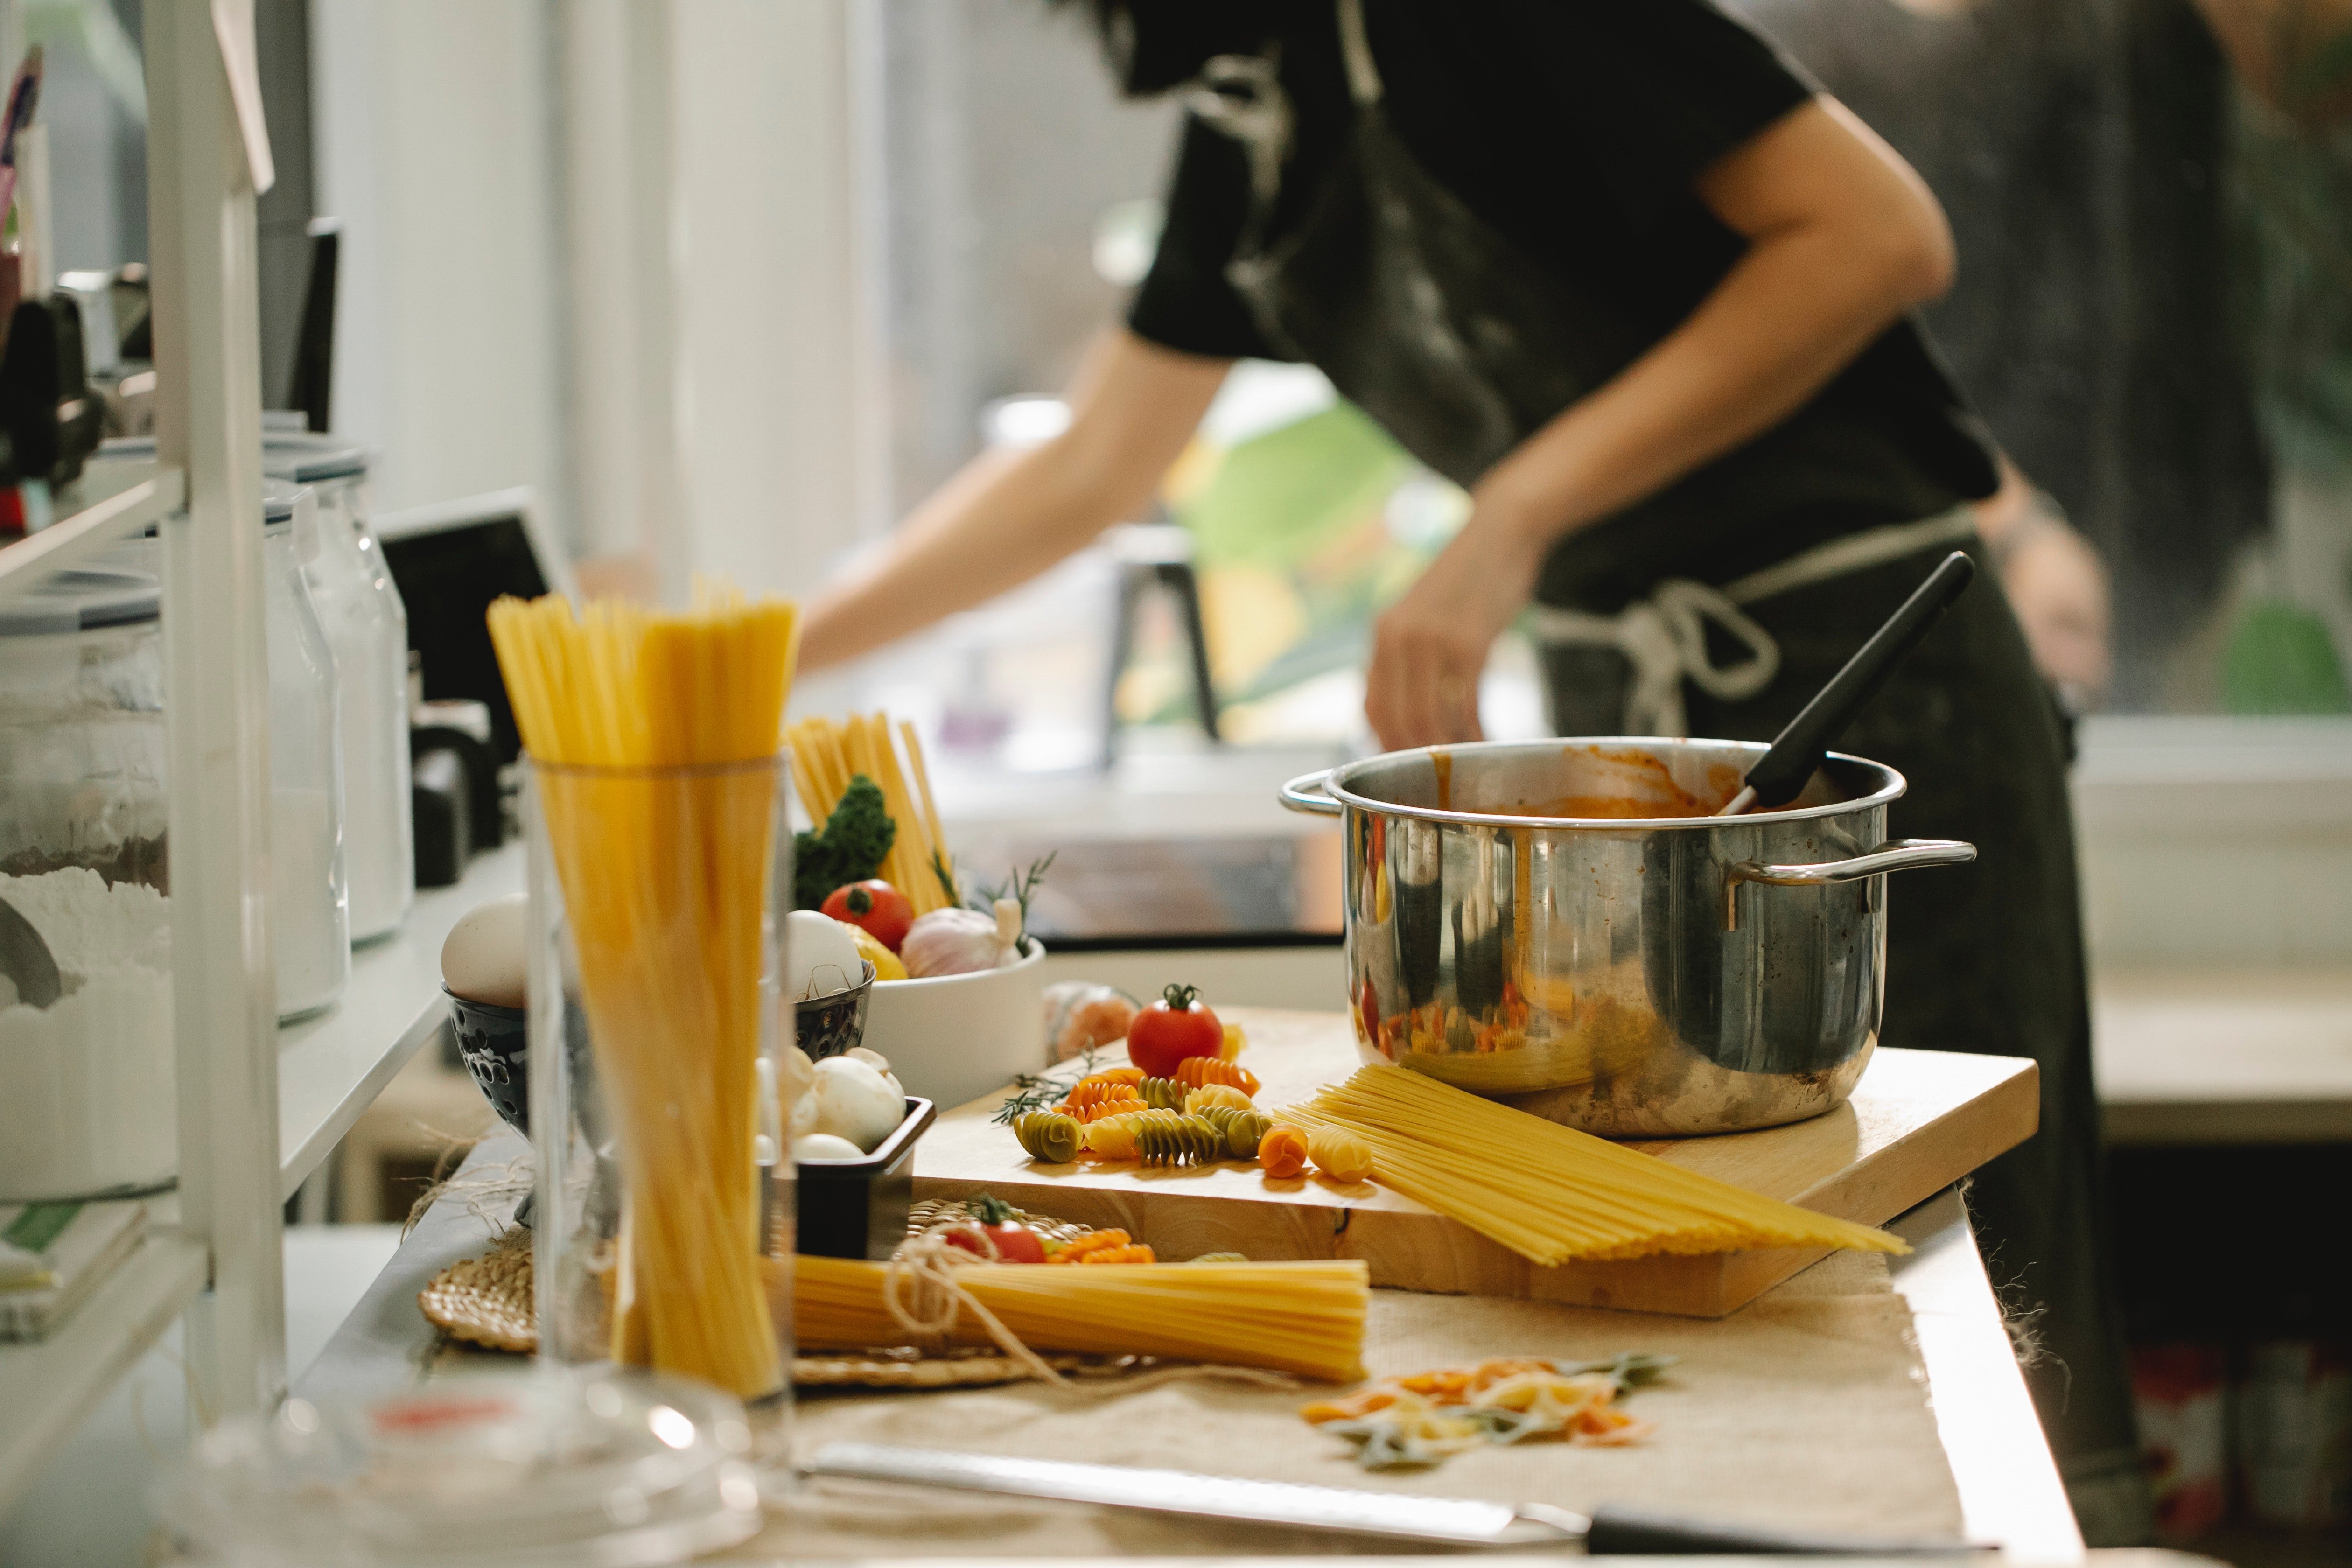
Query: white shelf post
x=208, y=423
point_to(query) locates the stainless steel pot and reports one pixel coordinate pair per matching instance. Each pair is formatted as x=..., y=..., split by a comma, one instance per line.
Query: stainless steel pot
x=1513, y=929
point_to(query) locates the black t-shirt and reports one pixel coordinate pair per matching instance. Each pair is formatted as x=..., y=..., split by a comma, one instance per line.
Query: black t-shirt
x=1578, y=128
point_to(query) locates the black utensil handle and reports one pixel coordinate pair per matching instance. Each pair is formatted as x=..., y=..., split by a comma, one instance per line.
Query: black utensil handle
x=1782, y=773
x=1619, y=1531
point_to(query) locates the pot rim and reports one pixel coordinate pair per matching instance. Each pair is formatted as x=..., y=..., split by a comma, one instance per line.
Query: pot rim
x=1334, y=786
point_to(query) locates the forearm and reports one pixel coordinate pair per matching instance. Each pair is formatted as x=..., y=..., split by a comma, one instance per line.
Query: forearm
x=1005, y=517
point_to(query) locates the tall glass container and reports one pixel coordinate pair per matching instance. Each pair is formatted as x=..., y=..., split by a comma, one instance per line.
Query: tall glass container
x=663, y=1224
x=309, y=915
x=87, y=1106
x=367, y=627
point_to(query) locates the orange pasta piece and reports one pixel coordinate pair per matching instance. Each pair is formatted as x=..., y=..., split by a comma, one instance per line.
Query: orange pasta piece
x=1102, y=1107
x=1283, y=1150
x=1092, y=1241
x=1093, y=1092
x=1138, y=1253
x=1197, y=1072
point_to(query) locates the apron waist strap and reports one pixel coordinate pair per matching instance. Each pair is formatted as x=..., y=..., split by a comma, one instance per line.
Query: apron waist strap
x=1664, y=637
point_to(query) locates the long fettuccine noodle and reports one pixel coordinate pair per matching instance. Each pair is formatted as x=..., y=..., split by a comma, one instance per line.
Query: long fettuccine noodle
x=662, y=730
x=1306, y=1318
x=1550, y=1193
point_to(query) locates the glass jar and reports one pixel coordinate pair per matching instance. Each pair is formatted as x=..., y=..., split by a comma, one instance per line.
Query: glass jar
x=663, y=1217
x=309, y=914
x=367, y=627
x=88, y=1105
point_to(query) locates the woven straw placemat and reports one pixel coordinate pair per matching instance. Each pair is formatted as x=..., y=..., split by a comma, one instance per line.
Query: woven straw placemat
x=487, y=1301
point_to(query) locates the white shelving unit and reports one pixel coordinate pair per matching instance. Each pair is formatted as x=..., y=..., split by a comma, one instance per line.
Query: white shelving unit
x=332, y=1067
x=260, y=1107
x=46, y=1387
x=110, y=501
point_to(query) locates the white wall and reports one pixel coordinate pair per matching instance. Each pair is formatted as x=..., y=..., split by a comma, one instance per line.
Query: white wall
x=778, y=407
x=434, y=123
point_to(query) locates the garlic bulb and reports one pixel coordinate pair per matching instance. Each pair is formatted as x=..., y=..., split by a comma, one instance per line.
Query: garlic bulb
x=962, y=942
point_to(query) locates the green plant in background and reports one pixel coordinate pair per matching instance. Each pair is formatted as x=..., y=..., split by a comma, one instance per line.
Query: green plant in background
x=1294, y=554
x=1276, y=498
x=2280, y=661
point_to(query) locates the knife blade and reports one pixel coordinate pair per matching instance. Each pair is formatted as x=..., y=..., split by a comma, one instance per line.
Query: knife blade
x=1450, y=1521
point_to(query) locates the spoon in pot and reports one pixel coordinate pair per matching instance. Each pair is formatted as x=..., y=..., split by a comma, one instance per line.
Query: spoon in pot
x=1780, y=775
x=25, y=959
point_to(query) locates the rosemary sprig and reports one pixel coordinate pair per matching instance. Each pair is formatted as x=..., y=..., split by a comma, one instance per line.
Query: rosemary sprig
x=1036, y=1090
x=1017, y=886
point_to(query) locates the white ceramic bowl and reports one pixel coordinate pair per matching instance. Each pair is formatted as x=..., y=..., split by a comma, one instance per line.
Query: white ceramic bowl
x=954, y=1038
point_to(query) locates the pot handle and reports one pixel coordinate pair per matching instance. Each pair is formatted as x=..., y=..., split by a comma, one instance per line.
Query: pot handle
x=1895, y=854
x=1296, y=796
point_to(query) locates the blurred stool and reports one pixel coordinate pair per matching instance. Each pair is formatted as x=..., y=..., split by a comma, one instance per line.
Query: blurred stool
x=1148, y=554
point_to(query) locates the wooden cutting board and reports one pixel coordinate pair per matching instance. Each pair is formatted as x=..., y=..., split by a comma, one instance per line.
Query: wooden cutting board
x=1918, y=1122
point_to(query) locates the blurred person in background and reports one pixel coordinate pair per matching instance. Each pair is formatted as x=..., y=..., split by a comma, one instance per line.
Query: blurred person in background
x=1644, y=291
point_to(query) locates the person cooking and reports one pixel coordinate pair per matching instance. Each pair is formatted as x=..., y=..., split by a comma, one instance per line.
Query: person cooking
x=1623, y=273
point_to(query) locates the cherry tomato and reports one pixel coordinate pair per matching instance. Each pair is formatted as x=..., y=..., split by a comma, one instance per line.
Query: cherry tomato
x=1174, y=1027
x=1014, y=1243
x=881, y=910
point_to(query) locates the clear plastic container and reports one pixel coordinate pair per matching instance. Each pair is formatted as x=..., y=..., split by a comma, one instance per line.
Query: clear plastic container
x=663, y=1226
x=309, y=915
x=87, y=1106
x=367, y=626
x=474, y=1470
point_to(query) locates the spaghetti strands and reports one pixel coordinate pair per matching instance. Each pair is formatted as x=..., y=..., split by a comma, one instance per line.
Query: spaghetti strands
x=1550, y=1193
x=828, y=754
x=653, y=738
x=1304, y=1318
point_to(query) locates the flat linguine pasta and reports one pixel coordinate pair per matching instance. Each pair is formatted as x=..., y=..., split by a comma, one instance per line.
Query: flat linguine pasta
x=1550, y=1193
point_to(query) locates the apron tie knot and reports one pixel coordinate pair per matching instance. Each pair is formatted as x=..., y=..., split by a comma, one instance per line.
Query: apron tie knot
x=1663, y=639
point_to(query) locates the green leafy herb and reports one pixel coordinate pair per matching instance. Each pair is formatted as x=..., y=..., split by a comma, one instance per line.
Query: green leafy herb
x=850, y=848
x=1036, y=1090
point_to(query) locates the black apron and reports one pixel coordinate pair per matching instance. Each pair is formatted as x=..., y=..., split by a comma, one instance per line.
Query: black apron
x=1462, y=346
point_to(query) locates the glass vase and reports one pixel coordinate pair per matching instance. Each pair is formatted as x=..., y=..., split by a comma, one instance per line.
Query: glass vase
x=663, y=1235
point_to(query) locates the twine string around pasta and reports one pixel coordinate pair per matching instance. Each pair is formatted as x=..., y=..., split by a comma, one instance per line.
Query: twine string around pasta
x=924, y=1267
x=925, y=1299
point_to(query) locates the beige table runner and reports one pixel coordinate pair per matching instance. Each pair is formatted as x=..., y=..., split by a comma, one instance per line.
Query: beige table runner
x=1807, y=1408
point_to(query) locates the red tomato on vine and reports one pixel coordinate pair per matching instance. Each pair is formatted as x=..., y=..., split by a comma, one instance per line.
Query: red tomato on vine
x=1174, y=1027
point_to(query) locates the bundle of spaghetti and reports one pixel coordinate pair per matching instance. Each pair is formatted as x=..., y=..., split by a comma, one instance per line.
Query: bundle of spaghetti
x=827, y=755
x=655, y=737
x=1550, y=1193
x=1306, y=1318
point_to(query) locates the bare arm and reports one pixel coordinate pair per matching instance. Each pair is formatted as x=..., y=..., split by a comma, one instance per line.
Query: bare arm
x=2296, y=55
x=1842, y=239
x=1005, y=517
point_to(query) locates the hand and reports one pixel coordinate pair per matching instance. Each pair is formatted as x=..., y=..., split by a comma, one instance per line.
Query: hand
x=1428, y=649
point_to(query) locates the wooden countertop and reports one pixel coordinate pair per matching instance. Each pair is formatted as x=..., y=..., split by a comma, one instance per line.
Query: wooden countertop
x=2009, y=1488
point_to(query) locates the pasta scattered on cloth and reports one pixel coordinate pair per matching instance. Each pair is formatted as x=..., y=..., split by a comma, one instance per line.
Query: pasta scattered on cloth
x=1420, y=1420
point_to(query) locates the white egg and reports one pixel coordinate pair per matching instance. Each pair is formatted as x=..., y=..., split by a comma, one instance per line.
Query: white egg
x=820, y=956
x=824, y=1146
x=483, y=959
x=855, y=1103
